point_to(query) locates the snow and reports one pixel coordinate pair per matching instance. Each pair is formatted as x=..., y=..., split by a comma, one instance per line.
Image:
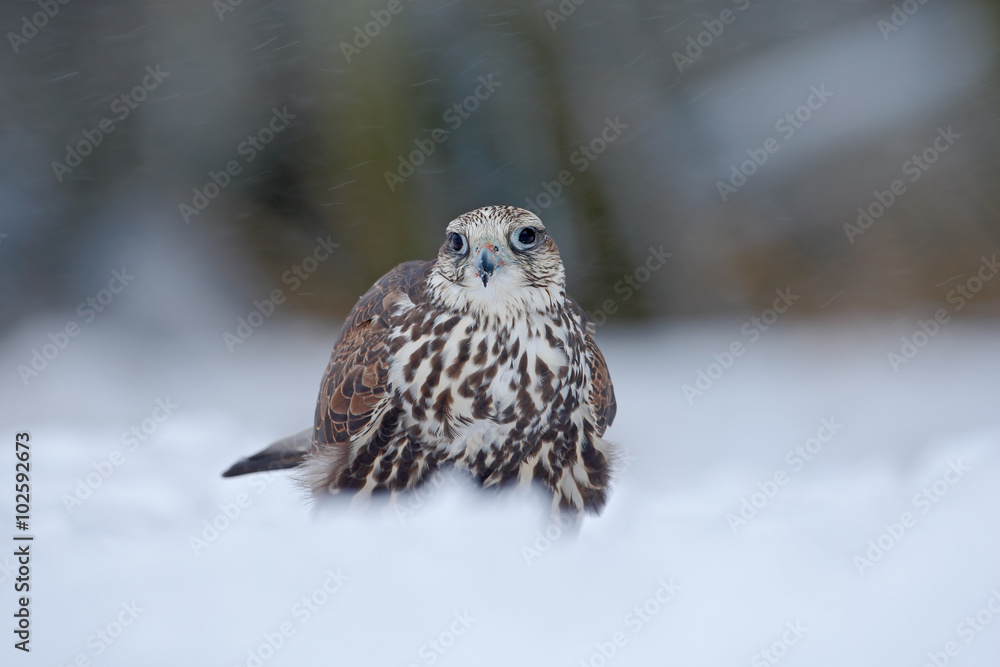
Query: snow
x=462, y=578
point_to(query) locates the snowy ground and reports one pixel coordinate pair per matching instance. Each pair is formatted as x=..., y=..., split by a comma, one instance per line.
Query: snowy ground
x=660, y=578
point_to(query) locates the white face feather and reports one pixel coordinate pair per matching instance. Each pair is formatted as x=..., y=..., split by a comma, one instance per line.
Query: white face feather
x=525, y=279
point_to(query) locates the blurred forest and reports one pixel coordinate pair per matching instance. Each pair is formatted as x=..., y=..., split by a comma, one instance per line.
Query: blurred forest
x=495, y=102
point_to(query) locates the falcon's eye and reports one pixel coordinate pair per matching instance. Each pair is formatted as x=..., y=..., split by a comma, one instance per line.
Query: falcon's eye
x=523, y=238
x=458, y=243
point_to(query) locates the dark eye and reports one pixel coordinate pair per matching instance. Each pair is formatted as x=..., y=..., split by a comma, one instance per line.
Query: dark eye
x=457, y=243
x=523, y=238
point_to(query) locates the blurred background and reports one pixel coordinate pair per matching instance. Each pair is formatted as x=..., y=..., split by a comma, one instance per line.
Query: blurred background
x=194, y=193
x=692, y=93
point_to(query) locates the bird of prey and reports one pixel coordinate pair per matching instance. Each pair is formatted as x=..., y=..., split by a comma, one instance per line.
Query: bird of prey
x=478, y=360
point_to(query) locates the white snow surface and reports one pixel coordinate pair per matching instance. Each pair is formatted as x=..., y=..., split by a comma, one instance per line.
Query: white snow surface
x=464, y=578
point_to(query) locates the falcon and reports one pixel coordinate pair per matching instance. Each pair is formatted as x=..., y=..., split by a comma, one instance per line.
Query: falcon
x=479, y=361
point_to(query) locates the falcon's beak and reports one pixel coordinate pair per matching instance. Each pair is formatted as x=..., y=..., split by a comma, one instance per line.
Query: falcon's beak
x=486, y=262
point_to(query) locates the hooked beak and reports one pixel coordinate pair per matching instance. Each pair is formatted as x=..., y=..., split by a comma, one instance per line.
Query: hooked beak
x=486, y=262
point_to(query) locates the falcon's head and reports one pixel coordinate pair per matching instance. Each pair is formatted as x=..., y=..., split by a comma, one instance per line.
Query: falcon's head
x=498, y=260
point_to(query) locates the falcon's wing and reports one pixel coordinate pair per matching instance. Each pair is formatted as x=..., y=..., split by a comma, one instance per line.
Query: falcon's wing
x=602, y=393
x=354, y=387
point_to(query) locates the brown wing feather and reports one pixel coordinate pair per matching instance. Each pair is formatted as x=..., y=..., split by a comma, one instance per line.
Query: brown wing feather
x=602, y=391
x=355, y=385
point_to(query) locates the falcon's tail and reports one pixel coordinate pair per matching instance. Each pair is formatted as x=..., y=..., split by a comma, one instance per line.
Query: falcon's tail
x=285, y=453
